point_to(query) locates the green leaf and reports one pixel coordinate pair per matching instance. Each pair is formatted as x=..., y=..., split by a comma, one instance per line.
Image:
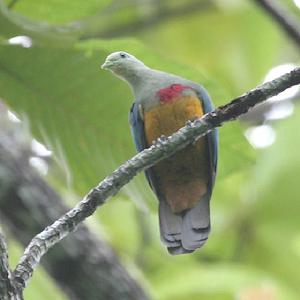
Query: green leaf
x=224, y=42
x=13, y=24
x=276, y=177
x=58, y=11
x=273, y=208
x=222, y=281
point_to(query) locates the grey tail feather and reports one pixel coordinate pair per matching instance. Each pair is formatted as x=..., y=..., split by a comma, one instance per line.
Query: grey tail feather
x=196, y=225
x=185, y=232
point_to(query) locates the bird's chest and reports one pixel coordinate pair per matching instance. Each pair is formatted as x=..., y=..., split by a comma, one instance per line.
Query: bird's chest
x=167, y=117
x=183, y=177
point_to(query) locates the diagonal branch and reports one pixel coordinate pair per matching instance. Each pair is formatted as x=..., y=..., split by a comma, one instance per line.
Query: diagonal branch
x=285, y=19
x=163, y=148
x=79, y=263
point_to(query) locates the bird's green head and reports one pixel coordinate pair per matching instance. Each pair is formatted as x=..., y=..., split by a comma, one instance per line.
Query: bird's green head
x=122, y=64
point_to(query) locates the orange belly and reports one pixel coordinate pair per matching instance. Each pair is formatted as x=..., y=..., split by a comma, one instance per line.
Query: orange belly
x=183, y=177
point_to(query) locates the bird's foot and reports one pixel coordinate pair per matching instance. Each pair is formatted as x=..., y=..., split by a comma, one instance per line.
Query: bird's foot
x=161, y=140
x=189, y=123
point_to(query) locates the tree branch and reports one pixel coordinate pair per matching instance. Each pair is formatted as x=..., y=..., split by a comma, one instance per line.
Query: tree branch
x=285, y=19
x=7, y=288
x=4, y=269
x=163, y=148
x=157, y=17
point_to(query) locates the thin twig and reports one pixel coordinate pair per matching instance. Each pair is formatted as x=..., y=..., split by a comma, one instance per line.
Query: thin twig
x=283, y=17
x=163, y=148
x=158, y=17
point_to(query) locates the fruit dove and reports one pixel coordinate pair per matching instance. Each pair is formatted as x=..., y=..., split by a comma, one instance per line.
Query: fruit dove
x=182, y=183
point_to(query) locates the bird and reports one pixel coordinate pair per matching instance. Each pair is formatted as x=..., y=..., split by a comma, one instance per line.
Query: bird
x=183, y=183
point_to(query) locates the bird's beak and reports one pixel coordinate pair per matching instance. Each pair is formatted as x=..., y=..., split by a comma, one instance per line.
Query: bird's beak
x=107, y=64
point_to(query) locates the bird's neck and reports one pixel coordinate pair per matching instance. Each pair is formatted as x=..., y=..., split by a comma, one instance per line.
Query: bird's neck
x=137, y=79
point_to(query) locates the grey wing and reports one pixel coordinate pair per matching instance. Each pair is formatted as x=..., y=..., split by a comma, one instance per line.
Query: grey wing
x=138, y=133
x=212, y=137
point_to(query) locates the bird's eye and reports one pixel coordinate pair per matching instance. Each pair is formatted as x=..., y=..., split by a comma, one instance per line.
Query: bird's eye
x=122, y=55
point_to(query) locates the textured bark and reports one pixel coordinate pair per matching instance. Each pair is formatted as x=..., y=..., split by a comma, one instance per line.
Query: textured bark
x=163, y=148
x=82, y=265
x=8, y=290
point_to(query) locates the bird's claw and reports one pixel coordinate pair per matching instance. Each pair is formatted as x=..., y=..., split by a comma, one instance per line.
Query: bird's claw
x=162, y=139
x=189, y=123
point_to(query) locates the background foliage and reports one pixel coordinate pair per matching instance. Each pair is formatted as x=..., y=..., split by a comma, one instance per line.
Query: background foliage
x=80, y=112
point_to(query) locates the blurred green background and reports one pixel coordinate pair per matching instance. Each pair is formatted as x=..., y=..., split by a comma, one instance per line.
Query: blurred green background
x=50, y=76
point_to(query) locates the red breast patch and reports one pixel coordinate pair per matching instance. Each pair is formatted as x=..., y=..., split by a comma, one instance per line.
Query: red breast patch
x=169, y=93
